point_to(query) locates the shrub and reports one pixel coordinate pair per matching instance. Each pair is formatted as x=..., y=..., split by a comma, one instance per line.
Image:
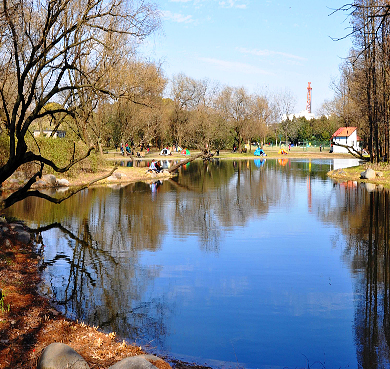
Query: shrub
x=4, y=148
x=60, y=151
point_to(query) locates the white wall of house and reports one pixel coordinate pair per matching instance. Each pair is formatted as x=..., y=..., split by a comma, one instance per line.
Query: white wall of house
x=350, y=141
x=47, y=133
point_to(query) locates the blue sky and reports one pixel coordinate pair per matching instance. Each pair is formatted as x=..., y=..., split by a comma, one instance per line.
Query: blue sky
x=261, y=45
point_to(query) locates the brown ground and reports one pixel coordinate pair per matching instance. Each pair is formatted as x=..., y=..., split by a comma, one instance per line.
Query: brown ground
x=28, y=324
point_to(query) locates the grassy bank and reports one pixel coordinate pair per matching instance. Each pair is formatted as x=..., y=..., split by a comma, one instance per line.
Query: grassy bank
x=354, y=173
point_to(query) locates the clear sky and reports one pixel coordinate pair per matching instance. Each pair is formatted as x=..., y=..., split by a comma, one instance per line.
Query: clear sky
x=268, y=45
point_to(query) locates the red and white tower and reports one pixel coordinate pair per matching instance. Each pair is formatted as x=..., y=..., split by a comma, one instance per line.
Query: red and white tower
x=308, y=103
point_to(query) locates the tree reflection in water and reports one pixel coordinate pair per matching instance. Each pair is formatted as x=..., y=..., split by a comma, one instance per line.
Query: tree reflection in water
x=98, y=288
x=365, y=222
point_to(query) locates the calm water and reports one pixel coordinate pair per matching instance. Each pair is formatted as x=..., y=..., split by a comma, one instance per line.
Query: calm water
x=257, y=264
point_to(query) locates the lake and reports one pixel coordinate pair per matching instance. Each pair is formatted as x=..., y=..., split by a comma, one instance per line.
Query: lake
x=249, y=263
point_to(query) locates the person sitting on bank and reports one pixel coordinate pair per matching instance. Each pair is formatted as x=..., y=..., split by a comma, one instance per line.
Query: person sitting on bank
x=158, y=166
x=154, y=167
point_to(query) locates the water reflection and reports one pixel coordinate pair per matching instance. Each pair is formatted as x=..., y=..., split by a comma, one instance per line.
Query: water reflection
x=251, y=247
x=365, y=221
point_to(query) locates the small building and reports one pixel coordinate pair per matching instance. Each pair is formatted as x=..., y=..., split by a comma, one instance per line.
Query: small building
x=48, y=132
x=344, y=136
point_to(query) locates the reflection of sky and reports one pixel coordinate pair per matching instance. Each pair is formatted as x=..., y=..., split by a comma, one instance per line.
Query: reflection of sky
x=275, y=290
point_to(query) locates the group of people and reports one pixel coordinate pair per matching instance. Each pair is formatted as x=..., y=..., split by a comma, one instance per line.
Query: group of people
x=155, y=166
x=129, y=149
x=126, y=149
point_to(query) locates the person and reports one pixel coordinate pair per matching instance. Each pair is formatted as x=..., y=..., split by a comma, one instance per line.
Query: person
x=320, y=148
x=158, y=166
x=154, y=166
x=122, y=150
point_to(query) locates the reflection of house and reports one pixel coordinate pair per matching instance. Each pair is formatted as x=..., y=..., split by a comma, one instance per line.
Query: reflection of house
x=48, y=132
x=344, y=136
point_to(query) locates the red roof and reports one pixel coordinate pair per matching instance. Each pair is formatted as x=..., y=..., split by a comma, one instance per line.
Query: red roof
x=344, y=132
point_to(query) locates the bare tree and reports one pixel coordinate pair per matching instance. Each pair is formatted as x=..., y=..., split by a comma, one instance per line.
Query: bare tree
x=369, y=62
x=59, y=51
x=283, y=106
x=189, y=96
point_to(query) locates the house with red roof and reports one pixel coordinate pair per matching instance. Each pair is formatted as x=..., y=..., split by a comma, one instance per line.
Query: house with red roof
x=344, y=136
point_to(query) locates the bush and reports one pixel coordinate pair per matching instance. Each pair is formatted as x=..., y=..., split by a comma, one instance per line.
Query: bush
x=60, y=150
x=4, y=148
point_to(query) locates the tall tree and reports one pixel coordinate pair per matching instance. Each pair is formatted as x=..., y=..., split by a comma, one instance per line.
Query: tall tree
x=59, y=50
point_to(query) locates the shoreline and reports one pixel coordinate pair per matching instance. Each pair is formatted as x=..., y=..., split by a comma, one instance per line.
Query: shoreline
x=29, y=323
x=125, y=175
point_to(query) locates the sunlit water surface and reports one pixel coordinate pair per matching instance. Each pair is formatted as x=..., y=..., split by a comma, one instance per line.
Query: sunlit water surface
x=257, y=264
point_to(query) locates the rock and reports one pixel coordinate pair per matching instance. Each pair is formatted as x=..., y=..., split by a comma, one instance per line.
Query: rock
x=370, y=187
x=379, y=174
x=39, y=184
x=152, y=358
x=17, y=227
x=61, y=356
x=117, y=175
x=62, y=182
x=50, y=179
x=23, y=236
x=368, y=174
x=134, y=362
x=339, y=172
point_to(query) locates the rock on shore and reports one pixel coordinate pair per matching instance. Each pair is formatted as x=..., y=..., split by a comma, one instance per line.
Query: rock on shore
x=60, y=356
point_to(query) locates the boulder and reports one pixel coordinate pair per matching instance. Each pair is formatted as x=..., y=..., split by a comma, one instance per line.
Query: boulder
x=370, y=187
x=61, y=356
x=17, y=227
x=379, y=174
x=50, y=179
x=368, y=174
x=62, y=182
x=39, y=184
x=118, y=175
x=23, y=237
x=134, y=362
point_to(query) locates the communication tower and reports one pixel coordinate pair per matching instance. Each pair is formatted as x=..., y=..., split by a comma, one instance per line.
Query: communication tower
x=308, y=103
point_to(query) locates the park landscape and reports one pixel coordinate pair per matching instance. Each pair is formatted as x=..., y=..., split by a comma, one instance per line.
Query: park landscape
x=74, y=88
